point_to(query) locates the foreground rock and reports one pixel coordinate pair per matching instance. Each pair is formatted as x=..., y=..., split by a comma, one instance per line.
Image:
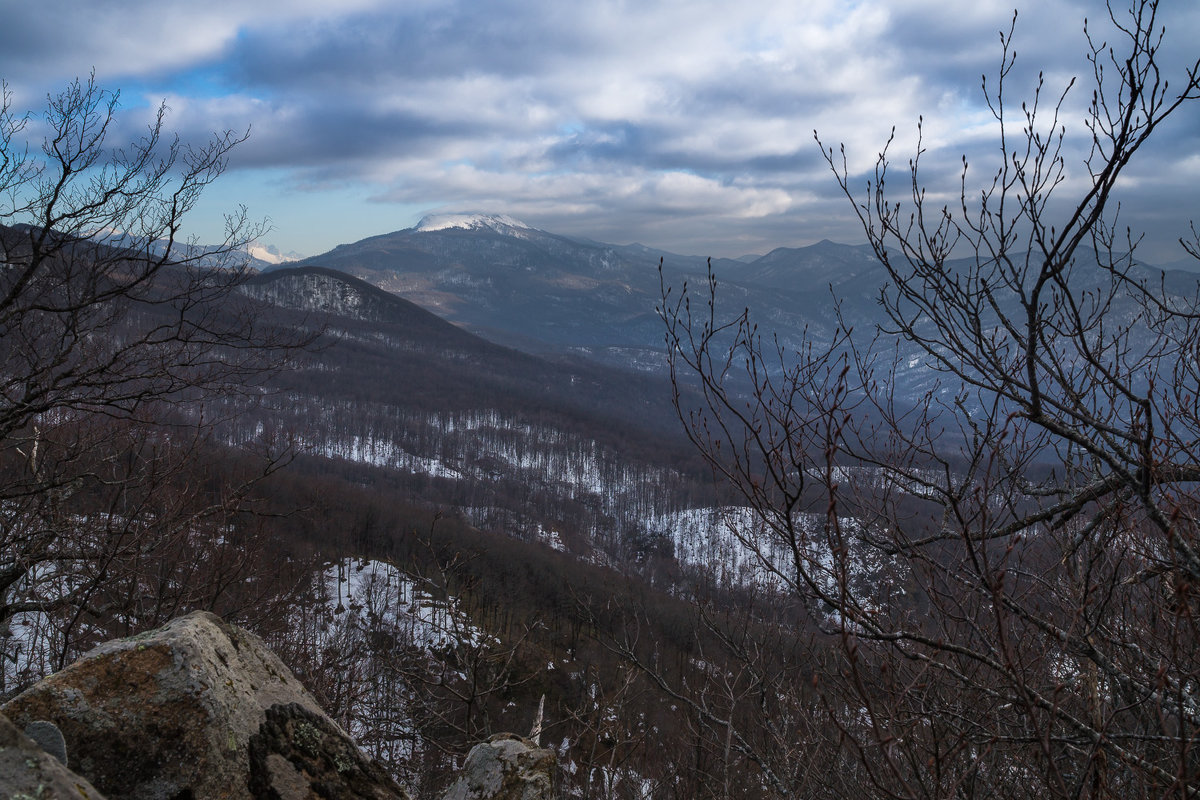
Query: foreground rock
x=198, y=709
x=26, y=770
x=506, y=767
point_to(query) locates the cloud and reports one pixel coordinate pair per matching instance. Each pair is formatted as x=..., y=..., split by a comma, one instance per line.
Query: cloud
x=686, y=121
x=134, y=38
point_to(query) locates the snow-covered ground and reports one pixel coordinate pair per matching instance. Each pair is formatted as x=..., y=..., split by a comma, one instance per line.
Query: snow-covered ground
x=484, y=446
x=381, y=598
x=733, y=544
x=380, y=452
x=736, y=546
x=370, y=625
x=729, y=541
x=28, y=649
x=458, y=445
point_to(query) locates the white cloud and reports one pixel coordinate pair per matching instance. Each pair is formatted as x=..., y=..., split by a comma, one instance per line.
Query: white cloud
x=619, y=111
x=136, y=37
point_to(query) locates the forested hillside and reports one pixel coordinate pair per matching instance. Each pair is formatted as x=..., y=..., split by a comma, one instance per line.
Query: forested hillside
x=460, y=530
x=913, y=519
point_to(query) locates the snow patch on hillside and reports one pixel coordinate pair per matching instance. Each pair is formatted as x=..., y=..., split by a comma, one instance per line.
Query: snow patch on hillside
x=381, y=452
x=31, y=641
x=312, y=292
x=489, y=445
x=738, y=547
x=550, y=537
x=731, y=541
x=367, y=622
x=382, y=599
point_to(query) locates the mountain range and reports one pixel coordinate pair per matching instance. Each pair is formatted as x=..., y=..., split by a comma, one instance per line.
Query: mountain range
x=528, y=487
x=557, y=295
x=543, y=292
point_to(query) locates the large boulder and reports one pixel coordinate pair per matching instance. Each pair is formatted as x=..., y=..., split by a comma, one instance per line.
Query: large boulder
x=28, y=771
x=506, y=767
x=198, y=709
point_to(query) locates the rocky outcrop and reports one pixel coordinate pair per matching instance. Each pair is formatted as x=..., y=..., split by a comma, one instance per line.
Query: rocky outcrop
x=297, y=753
x=506, y=767
x=28, y=771
x=198, y=709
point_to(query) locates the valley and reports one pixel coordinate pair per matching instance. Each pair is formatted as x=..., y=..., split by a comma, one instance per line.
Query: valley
x=468, y=529
x=490, y=506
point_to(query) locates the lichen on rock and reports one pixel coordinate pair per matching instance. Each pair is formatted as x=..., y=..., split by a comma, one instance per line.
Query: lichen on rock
x=295, y=748
x=506, y=767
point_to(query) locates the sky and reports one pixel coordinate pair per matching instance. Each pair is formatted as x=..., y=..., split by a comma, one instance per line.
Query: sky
x=687, y=126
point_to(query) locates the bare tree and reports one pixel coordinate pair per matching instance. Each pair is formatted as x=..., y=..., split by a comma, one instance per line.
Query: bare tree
x=121, y=348
x=1009, y=564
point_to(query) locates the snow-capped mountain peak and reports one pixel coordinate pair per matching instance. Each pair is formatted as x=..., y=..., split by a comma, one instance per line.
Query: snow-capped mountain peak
x=501, y=223
x=271, y=254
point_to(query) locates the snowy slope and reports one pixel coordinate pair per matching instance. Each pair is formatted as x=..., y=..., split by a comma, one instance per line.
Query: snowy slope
x=500, y=223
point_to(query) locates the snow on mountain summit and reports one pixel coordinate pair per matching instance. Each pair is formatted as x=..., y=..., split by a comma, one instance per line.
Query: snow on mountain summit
x=271, y=254
x=496, y=222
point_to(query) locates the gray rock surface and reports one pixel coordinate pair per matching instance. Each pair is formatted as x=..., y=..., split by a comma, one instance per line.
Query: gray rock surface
x=506, y=767
x=200, y=709
x=27, y=771
x=49, y=738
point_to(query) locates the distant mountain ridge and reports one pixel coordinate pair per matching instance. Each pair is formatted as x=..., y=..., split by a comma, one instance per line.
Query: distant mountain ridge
x=547, y=293
x=254, y=254
x=824, y=263
x=544, y=292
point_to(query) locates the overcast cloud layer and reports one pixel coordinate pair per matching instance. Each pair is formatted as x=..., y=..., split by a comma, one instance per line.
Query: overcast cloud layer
x=683, y=125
